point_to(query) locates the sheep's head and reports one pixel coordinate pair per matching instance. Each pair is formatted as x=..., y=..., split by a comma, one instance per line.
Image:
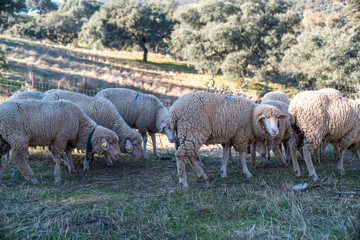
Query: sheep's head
x=267, y=118
x=164, y=124
x=105, y=141
x=134, y=147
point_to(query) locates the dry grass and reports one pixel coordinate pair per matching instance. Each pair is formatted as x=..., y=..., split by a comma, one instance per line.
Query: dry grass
x=142, y=200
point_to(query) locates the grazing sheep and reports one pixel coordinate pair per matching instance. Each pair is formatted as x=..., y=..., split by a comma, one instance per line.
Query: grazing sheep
x=322, y=115
x=142, y=111
x=282, y=137
x=61, y=125
x=104, y=113
x=276, y=95
x=27, y=95
x=207, y=118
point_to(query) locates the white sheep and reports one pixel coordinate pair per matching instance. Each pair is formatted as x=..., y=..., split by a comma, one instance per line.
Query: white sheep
x=61, y=125
x=104, y=113
x=276, y=95
x=322, y=115
x=27, y=95
x=142, y=111
x=207, y=118
x=282, y=137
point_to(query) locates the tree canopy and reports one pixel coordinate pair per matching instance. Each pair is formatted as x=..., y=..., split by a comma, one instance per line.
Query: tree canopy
x=125, y=24
x=230, y=36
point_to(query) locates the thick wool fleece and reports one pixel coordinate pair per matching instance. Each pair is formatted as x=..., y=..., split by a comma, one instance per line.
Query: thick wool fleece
x=102, y=111
x=142, y=111
x=28, y=95
x=276, y=95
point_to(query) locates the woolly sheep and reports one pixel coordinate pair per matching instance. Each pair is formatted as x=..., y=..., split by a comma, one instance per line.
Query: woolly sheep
x=276, y=95
x=27, y=95
x=104, y=113
x=61, y=125
x=282, y=137
x=142, y=111
x=207, y=118
x=323, y=115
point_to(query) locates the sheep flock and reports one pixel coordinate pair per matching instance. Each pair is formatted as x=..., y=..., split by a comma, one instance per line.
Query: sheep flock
x=116, y=121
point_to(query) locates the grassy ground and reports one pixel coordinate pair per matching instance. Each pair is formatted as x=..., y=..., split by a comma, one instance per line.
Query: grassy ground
x=142, y=200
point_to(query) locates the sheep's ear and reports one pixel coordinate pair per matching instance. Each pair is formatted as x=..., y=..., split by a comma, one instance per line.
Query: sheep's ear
x=283, y=116
x=104, y=144
x=259, y=118
x=128, y=146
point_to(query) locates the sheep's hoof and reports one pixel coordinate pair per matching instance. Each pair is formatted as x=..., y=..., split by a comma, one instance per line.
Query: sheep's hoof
x=341, y=171
x=224, y=175
x=248, y=175
x=254, y=165
x=33, y=180
x=74, y=173
x=297, y=173
x=205, y=177
x=285, y=164
x=315, y=178
x=86, y=168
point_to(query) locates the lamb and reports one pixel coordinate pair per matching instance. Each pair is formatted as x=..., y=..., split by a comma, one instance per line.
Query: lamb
x=61, y=125
x=282, y=137
x=276, y=95
x=207, y=118
x=27, y=95
x=104, y=113
x=142, y=111
x=319, y=116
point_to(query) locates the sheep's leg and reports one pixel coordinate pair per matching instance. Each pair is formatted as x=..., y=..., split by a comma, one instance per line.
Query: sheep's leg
x=336, y=150
x=180, y=164
x=356, y=153
x=253, y=155
x=341, y=163
x=244, y=166
x=108, y=161
x=226, y=154
x=287, y=151
x=153, y=139
x=278, y=154
x=89, y=157
x=70, y=165
x=307, y=149
x=198, y=169
x=317, y=154
x=144, y=138
x=267, y=147
x=19, y=157
x=293, y=145
x=197, y=158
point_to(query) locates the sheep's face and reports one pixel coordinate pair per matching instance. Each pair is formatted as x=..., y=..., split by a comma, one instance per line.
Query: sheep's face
x=165, y=128
x=111, y=147
x=106, y=141
x=134, y=148
x=270, y=123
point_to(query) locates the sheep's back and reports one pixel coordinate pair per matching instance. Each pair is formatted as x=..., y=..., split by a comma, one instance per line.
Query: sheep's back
x=217, y=117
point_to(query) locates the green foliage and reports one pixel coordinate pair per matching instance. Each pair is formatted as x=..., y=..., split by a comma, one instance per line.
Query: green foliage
x=8, y=12
x=232, y=36
x=43, y=6
x=61, y=26
x=125, y=24
x=324, y=57
x=3, y=62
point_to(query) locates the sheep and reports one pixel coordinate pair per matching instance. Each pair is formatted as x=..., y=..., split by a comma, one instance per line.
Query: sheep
x=144, y=112
x=61, y=125
x=27, y=95
x=104, y=113
x=282, y=137
x=207, y=118
x=322, y=115
x=276, y=95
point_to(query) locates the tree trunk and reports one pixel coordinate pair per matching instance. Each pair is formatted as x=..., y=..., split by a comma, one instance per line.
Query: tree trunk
x=145, y=54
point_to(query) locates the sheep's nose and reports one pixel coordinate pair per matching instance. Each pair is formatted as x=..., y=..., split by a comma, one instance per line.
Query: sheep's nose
x=275, y=132
x=117, y=155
